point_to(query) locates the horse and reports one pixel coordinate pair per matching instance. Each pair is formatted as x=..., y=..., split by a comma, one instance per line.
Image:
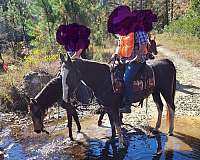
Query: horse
x=51, y=93
x=98, y=77
x=164, y=84
x=152, y=50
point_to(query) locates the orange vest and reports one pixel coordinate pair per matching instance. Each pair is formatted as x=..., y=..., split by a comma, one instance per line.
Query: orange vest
x=126, y=45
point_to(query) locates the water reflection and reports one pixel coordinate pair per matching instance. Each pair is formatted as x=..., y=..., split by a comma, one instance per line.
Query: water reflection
x=93, y=143
x=145, y=147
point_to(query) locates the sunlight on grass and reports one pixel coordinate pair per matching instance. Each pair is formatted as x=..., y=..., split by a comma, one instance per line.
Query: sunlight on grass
x=186, y=45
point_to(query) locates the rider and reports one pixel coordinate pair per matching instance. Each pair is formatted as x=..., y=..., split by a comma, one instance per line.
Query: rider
x=131, y=49
x=75, y=39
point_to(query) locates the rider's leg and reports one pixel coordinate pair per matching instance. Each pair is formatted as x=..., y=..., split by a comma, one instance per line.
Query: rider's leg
x=131, y=71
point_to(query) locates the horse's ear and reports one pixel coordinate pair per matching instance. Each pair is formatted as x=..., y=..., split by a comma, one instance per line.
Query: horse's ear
x=69, y=58
x=28, y=98
x=62, y=57
x=33, y=101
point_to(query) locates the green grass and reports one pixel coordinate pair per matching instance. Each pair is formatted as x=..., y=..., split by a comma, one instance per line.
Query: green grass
x=186, y=45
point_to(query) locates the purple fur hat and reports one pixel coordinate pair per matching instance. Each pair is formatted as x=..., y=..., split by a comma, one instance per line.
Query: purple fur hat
x=73, y=36
x=145, y=18
x=120, y=20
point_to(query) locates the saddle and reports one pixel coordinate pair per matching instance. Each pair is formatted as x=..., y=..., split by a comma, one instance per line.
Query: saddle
x=142, y=85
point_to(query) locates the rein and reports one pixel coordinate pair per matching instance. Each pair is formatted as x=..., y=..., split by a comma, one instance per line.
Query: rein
x=47, y=132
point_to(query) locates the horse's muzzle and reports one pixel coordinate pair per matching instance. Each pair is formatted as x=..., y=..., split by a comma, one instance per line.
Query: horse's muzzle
x=37, y=131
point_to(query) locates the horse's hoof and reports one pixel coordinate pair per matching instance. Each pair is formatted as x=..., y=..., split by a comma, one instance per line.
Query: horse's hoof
x=155, y=131
x=170, y=134
x=71, y=138
x=1, y=154
x=99, y=123
x=112, y=139
x=122, y=146
x=79, y=129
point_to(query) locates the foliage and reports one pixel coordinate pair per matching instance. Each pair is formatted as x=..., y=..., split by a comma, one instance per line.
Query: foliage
x=40, y=18
x=188, y=24
x=186, y=45
x=196, y=6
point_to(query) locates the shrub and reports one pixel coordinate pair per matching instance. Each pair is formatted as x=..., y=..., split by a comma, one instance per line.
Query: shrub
x=188, y=24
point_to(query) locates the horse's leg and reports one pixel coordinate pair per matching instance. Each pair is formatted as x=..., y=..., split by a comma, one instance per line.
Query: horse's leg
x=159, y=104
x=118, y=127
x=171, y=109
x=112, y=125
x=69, y=124
x=76, y=119
x=121, y=117
x=100, y=118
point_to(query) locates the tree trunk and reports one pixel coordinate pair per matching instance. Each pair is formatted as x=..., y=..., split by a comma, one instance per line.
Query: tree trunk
x=141, y=4
x=48, y=23
x=172, y=9
x=166, y=12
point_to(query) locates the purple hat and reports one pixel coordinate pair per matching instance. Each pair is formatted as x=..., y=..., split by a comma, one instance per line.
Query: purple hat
x=145, y=19
x=73, y=36
x=120, y=20
x=61, y=35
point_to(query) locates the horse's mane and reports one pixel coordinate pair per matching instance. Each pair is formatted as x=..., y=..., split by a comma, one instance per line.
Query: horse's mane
x=50, y=93
x=89, y=61
x=94, y=64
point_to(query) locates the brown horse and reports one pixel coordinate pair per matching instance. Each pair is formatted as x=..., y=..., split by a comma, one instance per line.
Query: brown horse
x=98, y=77
x=51, y=93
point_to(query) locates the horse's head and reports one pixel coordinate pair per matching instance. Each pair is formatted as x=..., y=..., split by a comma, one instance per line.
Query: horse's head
x=70, y=77
x=37, y=115
x=152, y=47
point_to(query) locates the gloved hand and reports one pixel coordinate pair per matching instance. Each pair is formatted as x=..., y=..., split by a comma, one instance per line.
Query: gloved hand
x=114, y=57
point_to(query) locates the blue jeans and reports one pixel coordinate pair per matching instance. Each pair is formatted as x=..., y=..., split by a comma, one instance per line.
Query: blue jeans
x=131, y=71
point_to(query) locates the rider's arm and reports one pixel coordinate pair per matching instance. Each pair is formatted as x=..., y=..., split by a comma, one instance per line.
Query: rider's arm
x=77, y=54
x=142, y=38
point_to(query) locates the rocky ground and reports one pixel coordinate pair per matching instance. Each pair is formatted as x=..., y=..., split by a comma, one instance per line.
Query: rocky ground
x=188, y=84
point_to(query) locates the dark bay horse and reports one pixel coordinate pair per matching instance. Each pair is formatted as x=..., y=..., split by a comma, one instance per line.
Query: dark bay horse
x=50, y=94
x=98, y=77
x=165, y=84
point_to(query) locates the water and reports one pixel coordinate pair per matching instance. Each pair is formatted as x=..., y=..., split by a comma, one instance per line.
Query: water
x=20, y=143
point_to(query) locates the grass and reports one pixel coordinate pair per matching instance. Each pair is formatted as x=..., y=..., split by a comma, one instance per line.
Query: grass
x=102, y=53
x=186, y=45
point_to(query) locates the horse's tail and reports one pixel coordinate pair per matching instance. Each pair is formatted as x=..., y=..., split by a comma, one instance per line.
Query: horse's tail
x=174, y=85
x=174, y=79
